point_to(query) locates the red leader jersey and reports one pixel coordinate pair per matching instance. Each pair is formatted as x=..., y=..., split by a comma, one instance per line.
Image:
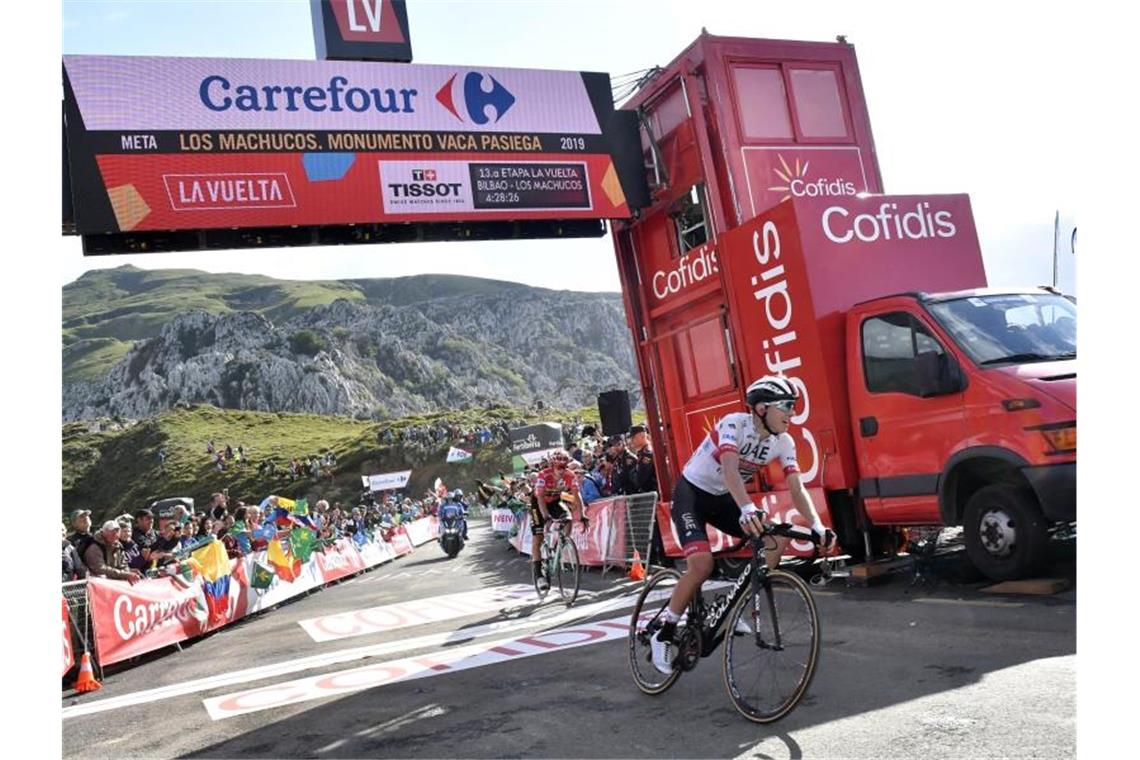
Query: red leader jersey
x=549, y=486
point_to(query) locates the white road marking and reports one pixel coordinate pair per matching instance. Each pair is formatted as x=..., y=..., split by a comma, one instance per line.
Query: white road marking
x=373, y=676
x=432, y=609
x=222, y=680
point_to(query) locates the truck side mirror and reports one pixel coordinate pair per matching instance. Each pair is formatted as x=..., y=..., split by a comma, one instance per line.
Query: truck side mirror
x=938, y=374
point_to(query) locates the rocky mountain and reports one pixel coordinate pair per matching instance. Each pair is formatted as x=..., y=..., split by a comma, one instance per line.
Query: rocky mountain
x=137, y=343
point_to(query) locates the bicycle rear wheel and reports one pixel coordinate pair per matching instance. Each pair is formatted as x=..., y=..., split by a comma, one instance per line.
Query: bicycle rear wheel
x=568, y=571
x=766, y=677
x=646, y=621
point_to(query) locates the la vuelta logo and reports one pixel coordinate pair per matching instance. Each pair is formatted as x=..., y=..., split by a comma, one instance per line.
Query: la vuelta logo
x=798, y=183
x=475, y=97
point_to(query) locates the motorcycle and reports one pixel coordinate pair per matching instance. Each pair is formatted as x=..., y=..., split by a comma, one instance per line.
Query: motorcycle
x=450, y=536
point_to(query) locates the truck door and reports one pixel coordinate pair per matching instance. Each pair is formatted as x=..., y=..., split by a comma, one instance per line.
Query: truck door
x=902, y=439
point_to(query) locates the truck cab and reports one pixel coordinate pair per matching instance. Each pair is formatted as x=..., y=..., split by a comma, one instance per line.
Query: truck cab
x=963, y=407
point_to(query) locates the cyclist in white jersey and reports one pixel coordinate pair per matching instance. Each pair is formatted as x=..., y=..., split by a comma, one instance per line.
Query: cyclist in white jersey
x=711, y=490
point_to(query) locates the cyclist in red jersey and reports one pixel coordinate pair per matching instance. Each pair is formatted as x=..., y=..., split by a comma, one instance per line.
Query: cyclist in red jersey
x=549, y=486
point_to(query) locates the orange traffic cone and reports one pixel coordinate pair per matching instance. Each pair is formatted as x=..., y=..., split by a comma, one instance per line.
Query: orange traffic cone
x=86, y=680
x=636, y=571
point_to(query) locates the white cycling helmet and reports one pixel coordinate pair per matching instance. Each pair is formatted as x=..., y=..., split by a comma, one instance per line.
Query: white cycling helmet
x=770, y=389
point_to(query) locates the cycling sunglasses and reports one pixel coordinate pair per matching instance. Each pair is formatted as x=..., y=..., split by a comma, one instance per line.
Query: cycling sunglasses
x=785, y=406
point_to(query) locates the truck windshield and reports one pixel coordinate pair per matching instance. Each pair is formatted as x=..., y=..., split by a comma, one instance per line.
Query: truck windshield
x=1011, y=328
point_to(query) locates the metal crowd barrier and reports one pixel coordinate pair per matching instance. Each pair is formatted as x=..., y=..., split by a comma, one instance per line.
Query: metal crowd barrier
x=75, y=594
x=640, y=518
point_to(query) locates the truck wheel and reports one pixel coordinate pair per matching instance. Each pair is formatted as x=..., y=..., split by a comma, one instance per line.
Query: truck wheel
x=1006, y=535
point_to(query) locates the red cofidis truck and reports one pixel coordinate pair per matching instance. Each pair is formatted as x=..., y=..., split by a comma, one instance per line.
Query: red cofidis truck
x=927, y=398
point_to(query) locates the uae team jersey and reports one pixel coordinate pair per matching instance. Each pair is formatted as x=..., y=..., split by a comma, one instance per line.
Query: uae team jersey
x=736, y=432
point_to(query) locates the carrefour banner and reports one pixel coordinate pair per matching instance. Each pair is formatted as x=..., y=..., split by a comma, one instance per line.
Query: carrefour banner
x=190, y=143
x=389, y=481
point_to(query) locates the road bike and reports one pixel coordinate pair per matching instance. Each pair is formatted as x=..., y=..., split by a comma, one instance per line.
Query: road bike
x=559, y=560
x=769, y=624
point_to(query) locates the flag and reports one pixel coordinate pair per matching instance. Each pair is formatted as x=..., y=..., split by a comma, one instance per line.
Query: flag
x=458, y=455
x=284, y=563
x=301, y=508
x=288, y=504
x=303, y=541
x=262, y=576
x=267, y=531
x=214, y=566
x=241, y=534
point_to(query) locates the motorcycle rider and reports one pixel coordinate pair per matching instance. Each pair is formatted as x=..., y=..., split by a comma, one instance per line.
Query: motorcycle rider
x=452, y=508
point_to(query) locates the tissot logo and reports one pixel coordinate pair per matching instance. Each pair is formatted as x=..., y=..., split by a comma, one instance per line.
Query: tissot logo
x=474, y=99
x=798, y=183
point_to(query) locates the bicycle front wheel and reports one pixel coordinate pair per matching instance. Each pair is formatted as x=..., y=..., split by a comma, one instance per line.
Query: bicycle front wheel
x=768, y=669
x=645, y=622
x=539, y=569
x=568, y=571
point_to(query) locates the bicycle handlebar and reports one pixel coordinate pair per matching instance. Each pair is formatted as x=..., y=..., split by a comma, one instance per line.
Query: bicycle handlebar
x=788, y=530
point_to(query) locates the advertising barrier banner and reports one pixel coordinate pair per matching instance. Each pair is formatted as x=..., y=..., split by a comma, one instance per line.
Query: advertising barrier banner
x=339, y=560
x=132, y=619
x=197, y=143
x=400, y=541
x=376, y=553
x=603, y=543
x=502, y=520
x=423, y=530
x=129, y=620
x=68, y=653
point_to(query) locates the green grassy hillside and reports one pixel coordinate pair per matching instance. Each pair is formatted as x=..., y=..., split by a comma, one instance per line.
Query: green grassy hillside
x=118, y=469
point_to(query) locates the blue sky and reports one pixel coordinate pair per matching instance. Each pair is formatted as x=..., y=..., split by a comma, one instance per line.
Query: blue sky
x=960, y=107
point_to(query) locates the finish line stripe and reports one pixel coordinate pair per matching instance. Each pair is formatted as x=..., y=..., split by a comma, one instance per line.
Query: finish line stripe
x=411, y=668
x=223, y=680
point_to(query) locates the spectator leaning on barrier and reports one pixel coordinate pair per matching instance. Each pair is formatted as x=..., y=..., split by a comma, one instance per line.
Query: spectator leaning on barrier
x=80, y=529
x=167, y=544
x=73, y=567
x=644, y=477
x=188, y=536
x=144, y=534
x=104, y=557
x=131, y=551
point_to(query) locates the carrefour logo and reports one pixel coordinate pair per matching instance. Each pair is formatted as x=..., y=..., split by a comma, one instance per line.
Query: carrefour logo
x=475, y=99
x=797, y=183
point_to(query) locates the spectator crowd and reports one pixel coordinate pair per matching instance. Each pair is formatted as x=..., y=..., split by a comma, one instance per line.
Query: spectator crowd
x=141, y=544
x=133, y=546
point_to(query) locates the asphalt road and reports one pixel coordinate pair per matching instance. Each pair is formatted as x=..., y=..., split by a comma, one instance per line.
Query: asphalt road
x=456, y=658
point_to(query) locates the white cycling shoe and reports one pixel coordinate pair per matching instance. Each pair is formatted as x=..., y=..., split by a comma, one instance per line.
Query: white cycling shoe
x=742, y=627
x=661, y=654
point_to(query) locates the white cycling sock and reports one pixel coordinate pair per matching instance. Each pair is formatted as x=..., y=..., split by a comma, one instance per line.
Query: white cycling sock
x=668, y=616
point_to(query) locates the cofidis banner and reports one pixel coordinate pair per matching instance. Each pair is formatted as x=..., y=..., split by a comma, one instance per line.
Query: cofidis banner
x=198, y=143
